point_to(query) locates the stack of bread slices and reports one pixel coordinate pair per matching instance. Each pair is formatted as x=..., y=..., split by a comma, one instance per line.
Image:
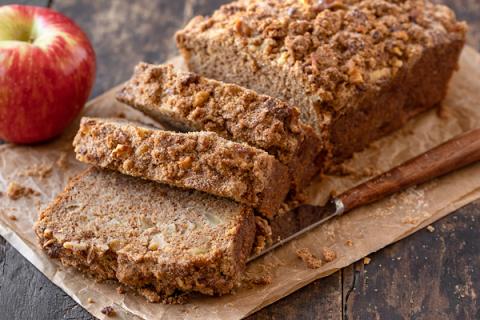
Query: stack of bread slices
x=279, y=92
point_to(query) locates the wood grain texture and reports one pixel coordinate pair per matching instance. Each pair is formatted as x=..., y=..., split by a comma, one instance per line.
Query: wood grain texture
x=430, y=275
x=126, y=32
x=25, y=293
x=442, y=286
x=320, y=300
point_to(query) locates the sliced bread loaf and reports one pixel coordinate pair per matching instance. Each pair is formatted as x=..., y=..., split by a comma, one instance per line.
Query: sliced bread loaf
x=190, y=102
x=198, y=160
x=154, y=238
x=357, y=70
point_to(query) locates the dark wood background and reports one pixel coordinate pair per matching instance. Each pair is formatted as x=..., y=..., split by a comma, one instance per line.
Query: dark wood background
x=430, y=275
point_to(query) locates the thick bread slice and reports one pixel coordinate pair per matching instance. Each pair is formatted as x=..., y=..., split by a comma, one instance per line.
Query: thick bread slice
x=190, y=102
x=199, y=160
x=148, y=236
x=357, y=70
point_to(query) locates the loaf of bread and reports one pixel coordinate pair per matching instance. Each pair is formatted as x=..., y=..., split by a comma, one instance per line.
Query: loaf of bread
x=190, y=102
x=357, y=69
x=157, y=239
x=197, y=160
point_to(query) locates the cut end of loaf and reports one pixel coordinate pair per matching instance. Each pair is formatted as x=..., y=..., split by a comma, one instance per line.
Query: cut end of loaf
x=148, y=236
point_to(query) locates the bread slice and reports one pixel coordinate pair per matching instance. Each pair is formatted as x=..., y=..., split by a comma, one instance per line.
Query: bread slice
x=190, y=102
x=357, y=70
x=151, y=237
x=199, y=160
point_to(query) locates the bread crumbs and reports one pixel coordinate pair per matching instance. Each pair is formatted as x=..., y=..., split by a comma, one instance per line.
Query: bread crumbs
x=410, y=220
x=442, y=112
x=349, y=243
x=347, y=170
x=108, y=311
x=16, y=191
x=62, y=161
x=308, y=258
x=430, y=228
x=329, y=255
x=90, y=300
x=41, y=171
x=259, y=276
x=367, y=260
x=154, y=297
x=252, y=279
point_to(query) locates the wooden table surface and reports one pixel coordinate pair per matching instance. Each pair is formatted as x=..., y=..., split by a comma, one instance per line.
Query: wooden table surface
x=429, y=275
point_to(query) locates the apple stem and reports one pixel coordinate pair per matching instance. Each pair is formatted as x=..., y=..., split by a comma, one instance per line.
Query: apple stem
x=49, y=3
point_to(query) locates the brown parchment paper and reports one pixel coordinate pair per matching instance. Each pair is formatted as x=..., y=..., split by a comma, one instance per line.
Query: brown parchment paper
x=369, y=228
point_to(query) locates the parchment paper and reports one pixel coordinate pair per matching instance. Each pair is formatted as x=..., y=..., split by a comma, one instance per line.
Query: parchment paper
x=369, y=228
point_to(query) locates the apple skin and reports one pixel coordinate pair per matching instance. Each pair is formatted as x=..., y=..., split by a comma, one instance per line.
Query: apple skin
x=47, y=70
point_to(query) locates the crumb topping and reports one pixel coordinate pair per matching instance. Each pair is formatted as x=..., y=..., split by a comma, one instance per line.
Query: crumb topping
x=338, y=48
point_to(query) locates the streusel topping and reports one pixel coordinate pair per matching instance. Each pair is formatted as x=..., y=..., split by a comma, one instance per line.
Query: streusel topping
x=339, y=47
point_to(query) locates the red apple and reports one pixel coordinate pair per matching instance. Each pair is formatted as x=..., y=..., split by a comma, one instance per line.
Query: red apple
x=47, y=69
